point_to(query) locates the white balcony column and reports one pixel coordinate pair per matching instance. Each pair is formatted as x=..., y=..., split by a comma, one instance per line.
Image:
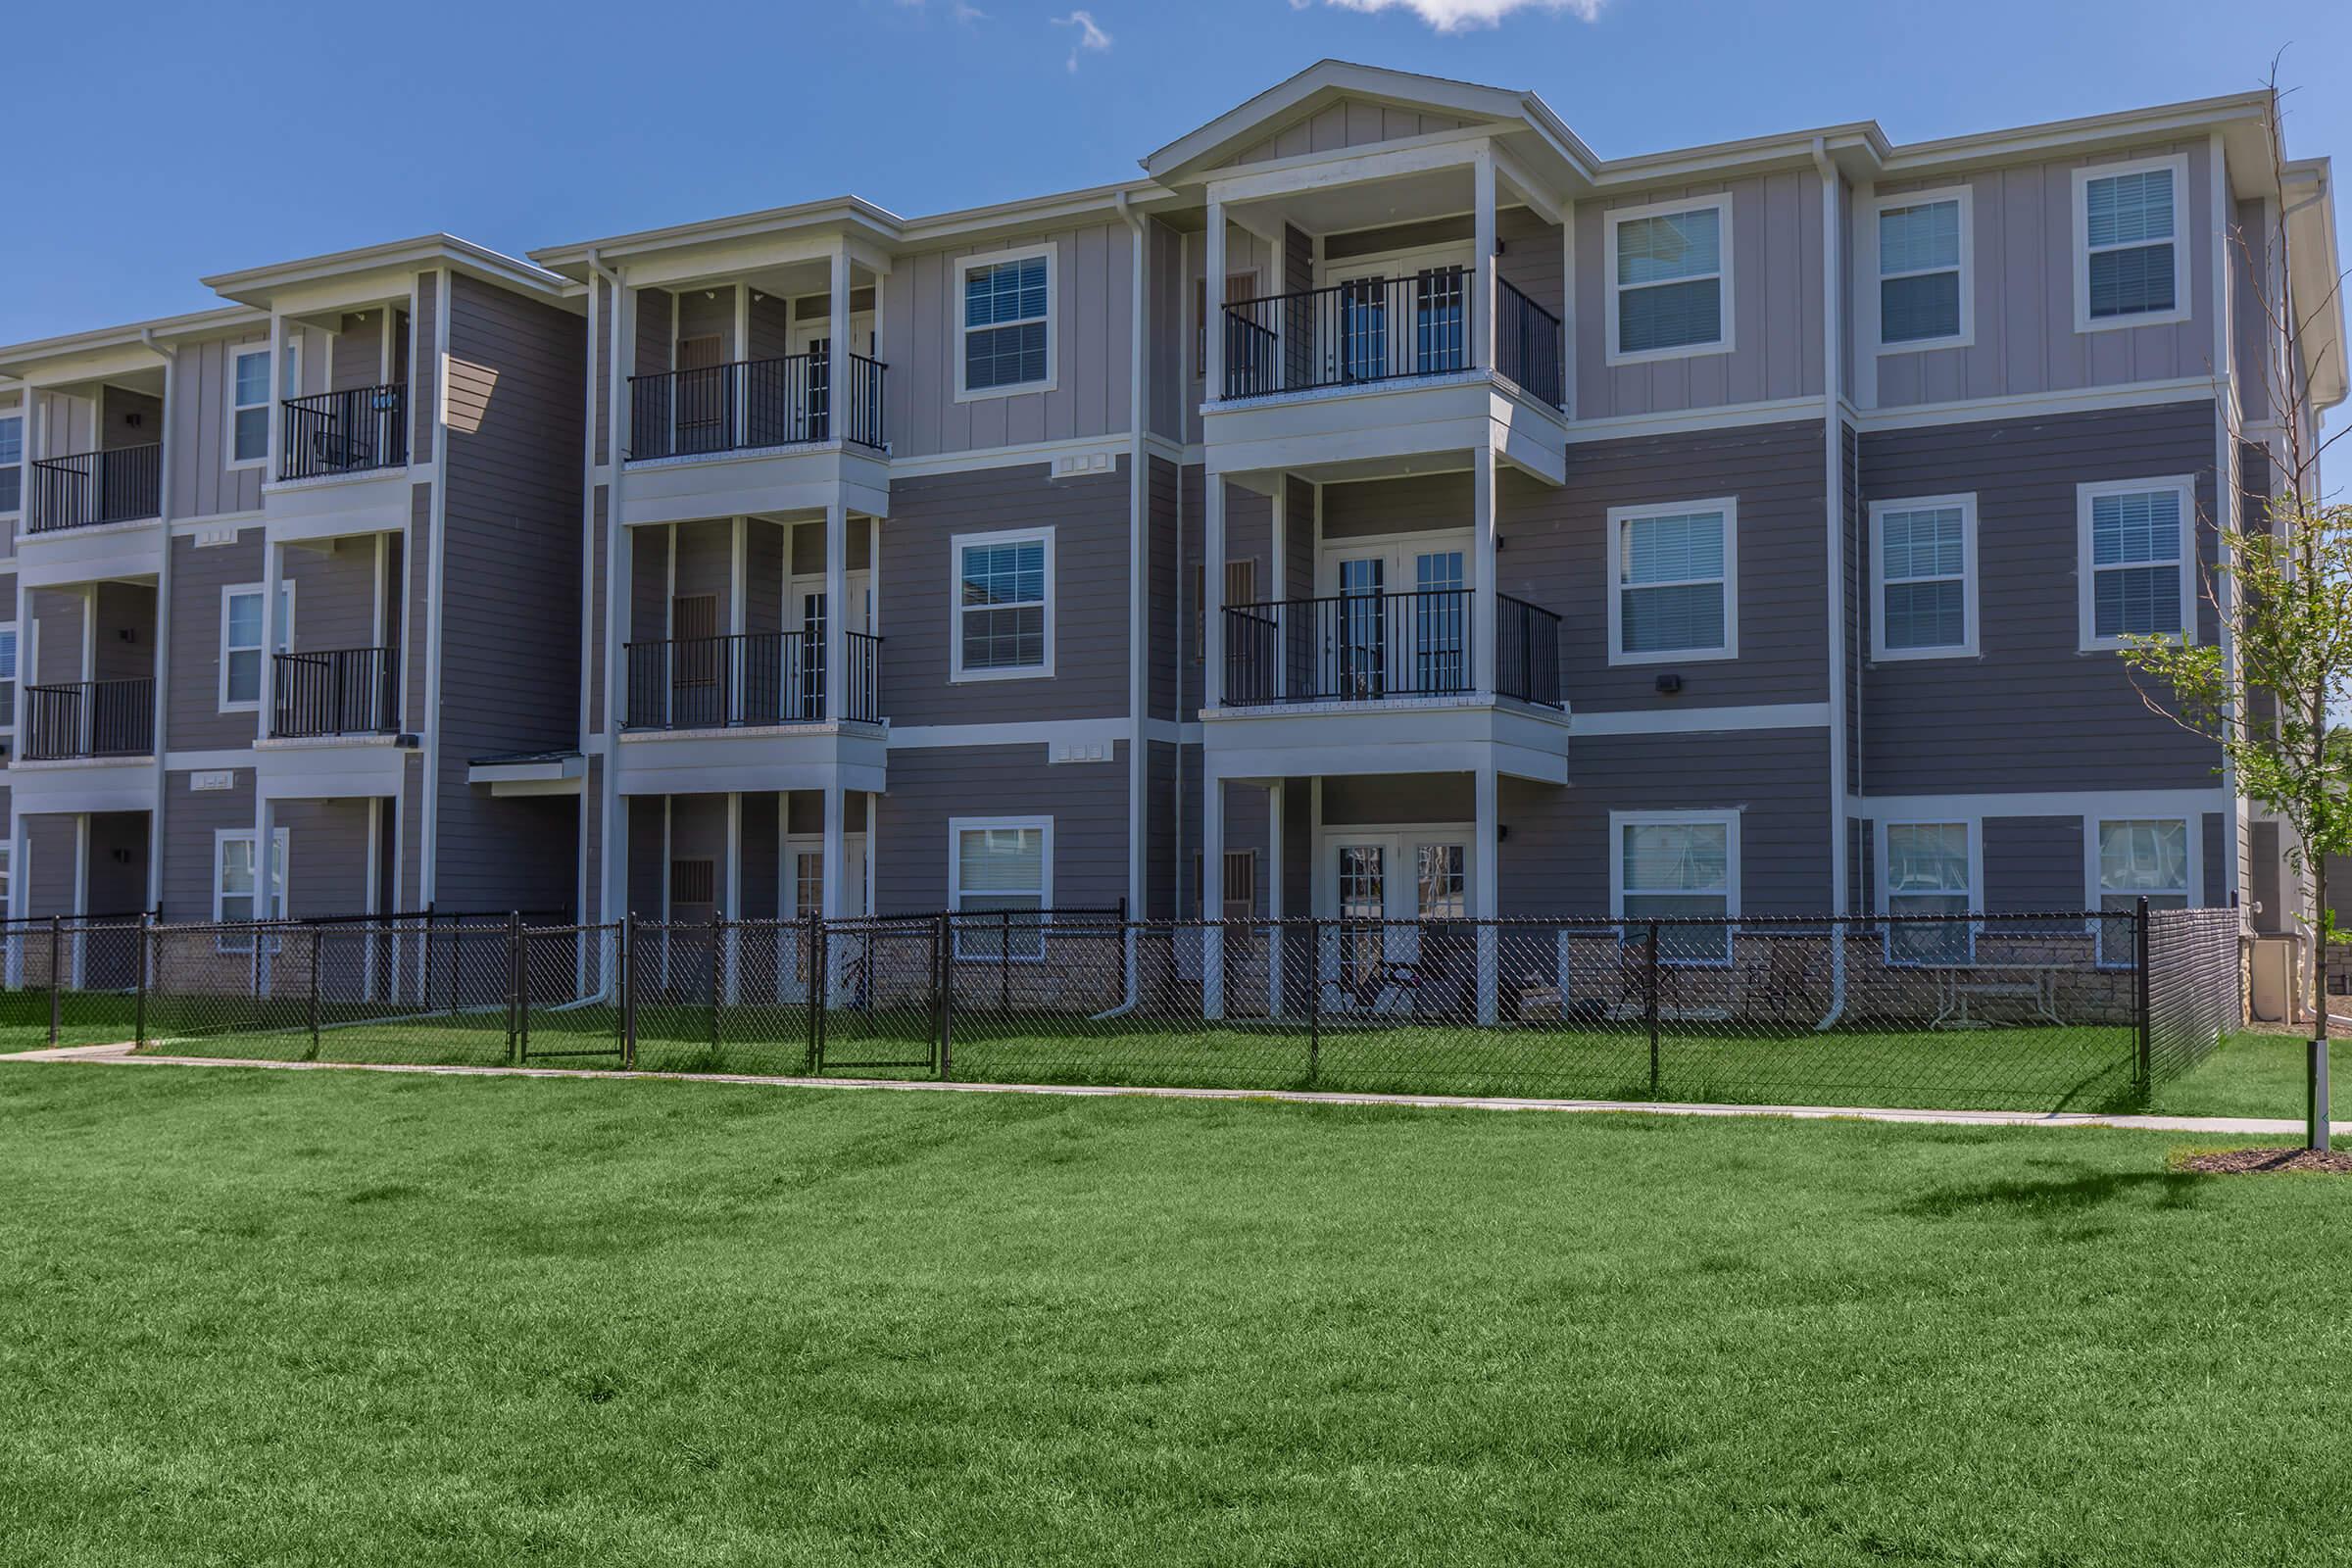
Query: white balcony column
x=730, y=894
x=1212, y=593
x=1274, y=903
x=836, y=867
x=1484, y=601
x=837, y=358
x=265, y=865
x=836, y=611
x=1213, y=311
x=1486, y=901
x=1482, y=304
x=738, y=585
x=281, y=391
x=273, y=566
x=1212, y=875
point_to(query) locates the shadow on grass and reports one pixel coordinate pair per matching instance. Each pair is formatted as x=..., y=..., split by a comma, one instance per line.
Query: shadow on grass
x=2080, y=1191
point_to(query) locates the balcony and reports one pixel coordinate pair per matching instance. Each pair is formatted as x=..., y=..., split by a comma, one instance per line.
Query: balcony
x=1367, y=331
x=755, y=406
x=358, y=430
x=1383, y=647
x=750, y=681
x=90, y=488
x=90, y=720
x=341, y=693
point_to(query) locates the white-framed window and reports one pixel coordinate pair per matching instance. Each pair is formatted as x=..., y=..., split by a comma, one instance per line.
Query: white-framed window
x=1666, y=865
x=1932, y=869
x=1003, y=610
x=7, y=851
x=8, y=676
x=237, y=892
x=12, y=462
x=2136, y=560
x=241, y=641
x=1923, y=575
x=249, y=405
x=1005, y=323
x=1001, y=864
x=2135, y=857
x=1673, y=582
x=1670, y=279
x=2130, y=265
x=1927, y=254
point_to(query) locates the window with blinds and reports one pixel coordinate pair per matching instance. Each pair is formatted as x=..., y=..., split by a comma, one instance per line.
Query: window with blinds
x=1669, y=273
x=2129, y=229
x=1920, y=282
x=2134, y=561
x=1675, y=582
x=1924, y=564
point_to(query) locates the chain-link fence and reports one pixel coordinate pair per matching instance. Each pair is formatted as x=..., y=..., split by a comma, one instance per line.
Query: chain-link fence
x=69, y=980
x=2078, y=1009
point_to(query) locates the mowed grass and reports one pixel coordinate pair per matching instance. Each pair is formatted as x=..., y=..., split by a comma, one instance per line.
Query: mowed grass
x=306, y=1317
x=2256, y=1075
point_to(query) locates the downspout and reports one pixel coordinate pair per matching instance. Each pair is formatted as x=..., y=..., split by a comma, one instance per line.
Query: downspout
x=1832, y=468
x=588, y=629
x=162, y=625
x=1136, y=567
x=608, y=784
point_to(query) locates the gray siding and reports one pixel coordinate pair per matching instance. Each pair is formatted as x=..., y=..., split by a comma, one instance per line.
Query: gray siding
x=190, y=819
x=57, y=616
x=327, y=850
x=424, y=381
x=1162, y=585
x=199, y=573
x=2032, y=864
x=1343, y=122
x=1089, y=521
x=116, y=886
x=52, y=844
x=123, y=647
x=202, y=483
x=334, y=594
x=928, y=786
x=2031, y=711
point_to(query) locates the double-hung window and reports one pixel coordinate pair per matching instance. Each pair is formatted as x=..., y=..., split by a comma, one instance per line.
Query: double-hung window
x=1006, y=325
x=1670, y=274
x=12, y=462
x=8, y=676
x=1003, y=606
x=2135, y=560
x=241, y=641
x=1923, y=273
x=249, y=405
x=238, y=892
x=1678, y=865
x=1002, y=867
x=1924, y=568
x=2137, y=859
x=1674, y=580
x=1931, y=877
x=2133, y=268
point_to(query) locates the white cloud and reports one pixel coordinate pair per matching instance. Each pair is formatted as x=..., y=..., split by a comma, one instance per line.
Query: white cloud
x=1089, y=37
x=1456, y=15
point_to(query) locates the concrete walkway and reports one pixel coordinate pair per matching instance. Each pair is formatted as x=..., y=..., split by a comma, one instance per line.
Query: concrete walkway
x=120, y=1055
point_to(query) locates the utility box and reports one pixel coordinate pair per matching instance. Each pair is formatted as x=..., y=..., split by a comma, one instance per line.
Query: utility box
x=2273, y=994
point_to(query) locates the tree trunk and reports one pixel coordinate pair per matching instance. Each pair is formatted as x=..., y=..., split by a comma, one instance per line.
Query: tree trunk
x=2315, y=1073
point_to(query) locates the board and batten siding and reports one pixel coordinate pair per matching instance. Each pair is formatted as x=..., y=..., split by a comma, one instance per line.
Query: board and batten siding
x=923, y=338
x=1341, y=123
x=930, y=785
x=199, y=414
x=2031, y=711
x=1089, y=516
x=2024, y=291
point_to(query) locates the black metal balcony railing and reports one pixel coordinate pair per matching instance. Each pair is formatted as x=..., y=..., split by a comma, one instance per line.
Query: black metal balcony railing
x=1366, y=330
x=1529, y=346
x=89, y=718
x=1376, y=646
x=751, y=404
x=344, y=432
x=343, y=691
x=89, y=488
x=773, y=677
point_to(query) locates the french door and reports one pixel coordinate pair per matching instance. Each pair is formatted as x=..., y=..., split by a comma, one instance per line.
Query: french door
x=816, y=342
x=1412, y=640
x=1382, y=887
x=804, y=893
x=805, y=613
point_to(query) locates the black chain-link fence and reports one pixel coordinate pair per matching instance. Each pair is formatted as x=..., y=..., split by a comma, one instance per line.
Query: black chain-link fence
x=2025, y=1012
x=69, y=980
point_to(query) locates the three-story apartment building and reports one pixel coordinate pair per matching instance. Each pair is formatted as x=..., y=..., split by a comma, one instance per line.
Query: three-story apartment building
x=1381, y=506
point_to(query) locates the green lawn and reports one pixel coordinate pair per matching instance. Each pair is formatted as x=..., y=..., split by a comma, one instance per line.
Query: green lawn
x=2256, y=1075
x=297, y=1319
x=84, y=1018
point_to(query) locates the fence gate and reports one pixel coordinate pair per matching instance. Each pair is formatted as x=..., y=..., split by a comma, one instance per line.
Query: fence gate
x=884, y=1007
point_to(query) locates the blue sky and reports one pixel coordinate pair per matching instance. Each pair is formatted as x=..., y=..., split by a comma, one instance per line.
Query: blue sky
x=159, y=143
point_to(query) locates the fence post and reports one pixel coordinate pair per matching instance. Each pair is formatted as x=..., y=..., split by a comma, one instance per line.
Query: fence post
x=718, y=938
x=943, y=990
x=138, y=1036
x=816, y=1043
x=513, y=987
x=2144, y=1066
x=1649, y=1006
x=53, y=930
x=1005, y=960
x=1314, y=998
x=311, y=1013
x=523, y=991
x=628, y=993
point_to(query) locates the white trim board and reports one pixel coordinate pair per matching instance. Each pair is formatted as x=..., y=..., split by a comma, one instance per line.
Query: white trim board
x=1698, y=720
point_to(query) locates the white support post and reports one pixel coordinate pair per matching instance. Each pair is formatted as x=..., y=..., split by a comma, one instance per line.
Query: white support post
x=1483, y=599
x=1274, y=903
x=1568, y=310
x=264, y=864
x=1212, y=594
x=836, y=611
x=1486, y=901
x=274, y=562
x=280, y=393
x=837, y=389
x=1213, y=311
x=836, y=813
x=1212, y=867
x=731, y=891
x=1482, y=324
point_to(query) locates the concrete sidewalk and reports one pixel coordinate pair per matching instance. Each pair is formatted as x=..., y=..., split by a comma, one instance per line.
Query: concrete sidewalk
x=2217, y=1126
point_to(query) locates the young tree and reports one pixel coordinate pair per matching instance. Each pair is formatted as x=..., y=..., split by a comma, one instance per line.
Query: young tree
x=2282, y=587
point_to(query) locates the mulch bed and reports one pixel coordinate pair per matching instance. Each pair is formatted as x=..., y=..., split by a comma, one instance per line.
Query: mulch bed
x=2251, y=1161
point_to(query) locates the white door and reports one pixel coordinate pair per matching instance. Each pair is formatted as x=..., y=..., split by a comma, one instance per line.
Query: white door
x=1397, y=621
x=805, y=615
x=814, y=338
x=1390, y=882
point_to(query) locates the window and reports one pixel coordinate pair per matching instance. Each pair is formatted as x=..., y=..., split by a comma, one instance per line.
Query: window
x=241, y=641
x=1924, y=252
x=1670, y=270
x=1001, y=864
x=1924, y=567
x=2137, y=859
x=1929, y=872
x=236, y=897
x=1672, y=865
x=8, y=676
x=12, y=463
x=2133, y=559
x=1008, y=323
x=1675, y=571
x=249, y=402
x=2133, y=269
x=1003, y=606
x=6, y=850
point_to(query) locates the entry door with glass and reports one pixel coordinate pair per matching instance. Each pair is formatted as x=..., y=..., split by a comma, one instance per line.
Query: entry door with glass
x=805, y=678
x=816, y=340
x=1409, y=642
x=803, y=883
x=1383, y=887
